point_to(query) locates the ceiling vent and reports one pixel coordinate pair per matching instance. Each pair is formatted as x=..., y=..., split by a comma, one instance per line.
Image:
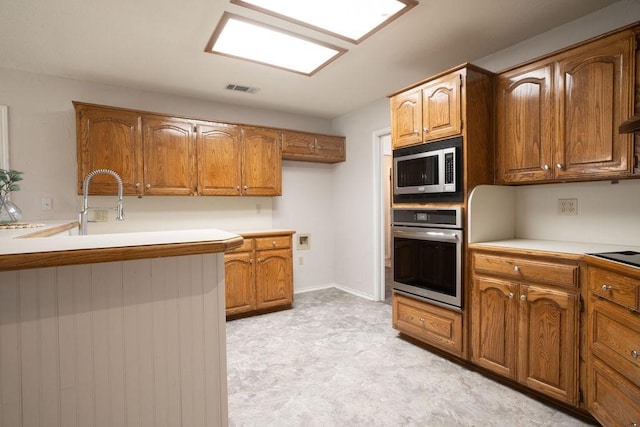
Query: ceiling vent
x=241, y=88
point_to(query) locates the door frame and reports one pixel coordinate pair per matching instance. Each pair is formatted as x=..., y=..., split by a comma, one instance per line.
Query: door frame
x=378, y=213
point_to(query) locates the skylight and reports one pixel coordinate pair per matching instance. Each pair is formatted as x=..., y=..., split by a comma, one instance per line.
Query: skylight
x=352, y=20
x=244, y=38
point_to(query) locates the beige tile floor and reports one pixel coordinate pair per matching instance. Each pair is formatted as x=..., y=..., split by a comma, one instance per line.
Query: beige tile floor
x=334, y=360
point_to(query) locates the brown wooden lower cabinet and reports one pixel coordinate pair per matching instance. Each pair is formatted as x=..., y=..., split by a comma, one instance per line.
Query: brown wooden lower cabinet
x=523, y=329
x=613, y=345
x=436, y=326
x=259, y=274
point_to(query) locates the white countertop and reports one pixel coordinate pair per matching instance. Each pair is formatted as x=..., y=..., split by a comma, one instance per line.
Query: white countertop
x=13, y=246
x=578, y=248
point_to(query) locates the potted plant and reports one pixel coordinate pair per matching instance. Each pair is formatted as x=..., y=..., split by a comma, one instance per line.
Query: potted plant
x=9, y=212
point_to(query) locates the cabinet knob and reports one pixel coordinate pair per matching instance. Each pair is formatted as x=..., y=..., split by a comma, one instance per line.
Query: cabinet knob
x=635, y=354
x=250, y=260
x=523, y=297
x=246, y=187
x=259, y=259
x=237, y=188
x=148, y=186
x=421, y=320
x=415, y=132
x=559, y=166
x=545, y=167
x=425, y=129
x=516, y=268
x=137, y=185
x=273, y=244
x=511, y=295
x=606, y=288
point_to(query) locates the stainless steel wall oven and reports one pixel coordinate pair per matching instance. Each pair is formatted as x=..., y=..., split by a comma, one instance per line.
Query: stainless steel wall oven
x=427, y=255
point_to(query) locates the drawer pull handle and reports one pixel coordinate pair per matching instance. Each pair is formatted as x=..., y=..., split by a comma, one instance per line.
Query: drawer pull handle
x=606, y=288
x=511, y=295
x=516, y=268
x=523, y=297
x=635, y=354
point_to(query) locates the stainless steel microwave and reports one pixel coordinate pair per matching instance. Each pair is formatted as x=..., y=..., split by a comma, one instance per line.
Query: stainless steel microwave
x=428, y=172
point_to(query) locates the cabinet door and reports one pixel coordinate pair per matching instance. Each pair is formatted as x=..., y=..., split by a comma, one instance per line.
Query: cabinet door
x=274, y=278
x=525, y=124
x=297, y=145
x=548, y=341
x=493, y=329
x=406, y=119
x=595, y=88
x=219, y=160
x=330, y=149
x=441, y=111
x=261, y=162
x=109, y=139
x=240, y=295
x=169, y=156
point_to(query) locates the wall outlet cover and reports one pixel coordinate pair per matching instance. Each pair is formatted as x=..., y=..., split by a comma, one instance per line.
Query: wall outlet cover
x=568, y=207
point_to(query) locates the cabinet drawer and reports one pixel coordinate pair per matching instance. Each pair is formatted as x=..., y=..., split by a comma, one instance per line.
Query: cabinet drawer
x=620, y=289
x=274, y=242
x=613, y=400
x=523, y=269
x=433, y=325
x=616, y=337
x=247, y=246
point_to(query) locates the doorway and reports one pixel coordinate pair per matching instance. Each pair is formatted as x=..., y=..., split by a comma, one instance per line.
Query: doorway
x=382, y=179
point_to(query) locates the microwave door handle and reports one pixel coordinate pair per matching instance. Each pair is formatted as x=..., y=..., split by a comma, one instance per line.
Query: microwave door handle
x=441, y=167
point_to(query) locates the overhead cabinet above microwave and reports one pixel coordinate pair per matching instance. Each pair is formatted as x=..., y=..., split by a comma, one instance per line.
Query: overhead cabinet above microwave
x=428, y=112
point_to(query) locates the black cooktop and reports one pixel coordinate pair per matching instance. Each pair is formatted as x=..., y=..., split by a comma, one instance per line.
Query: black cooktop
x=626, y=257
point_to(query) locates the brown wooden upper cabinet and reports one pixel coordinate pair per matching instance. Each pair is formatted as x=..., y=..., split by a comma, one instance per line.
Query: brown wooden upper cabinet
x=557, y=118
x=156, y=154
x=169, y=147
x=109, y=139
x=313, y=148
x=261, y=162
x=428, y=112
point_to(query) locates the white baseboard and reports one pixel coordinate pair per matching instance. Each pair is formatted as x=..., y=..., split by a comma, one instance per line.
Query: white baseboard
x=314, y=288
x=334, y=285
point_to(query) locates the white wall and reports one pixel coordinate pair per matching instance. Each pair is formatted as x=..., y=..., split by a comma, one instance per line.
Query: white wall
x=43, y=145
x=354, y=204
x=307, y=207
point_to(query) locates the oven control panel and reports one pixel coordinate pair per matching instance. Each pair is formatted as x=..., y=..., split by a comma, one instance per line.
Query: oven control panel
x=446, y=218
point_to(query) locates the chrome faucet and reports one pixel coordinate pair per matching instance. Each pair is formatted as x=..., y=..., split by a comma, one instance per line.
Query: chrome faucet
x=85, y=198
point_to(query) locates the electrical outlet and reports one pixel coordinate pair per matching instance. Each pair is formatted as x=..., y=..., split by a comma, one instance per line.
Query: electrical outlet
x=98, y=215
x=568, y=207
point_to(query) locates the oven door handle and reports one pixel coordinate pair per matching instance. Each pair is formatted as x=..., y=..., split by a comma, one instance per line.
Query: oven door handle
x=427, y=235
x=442, y=235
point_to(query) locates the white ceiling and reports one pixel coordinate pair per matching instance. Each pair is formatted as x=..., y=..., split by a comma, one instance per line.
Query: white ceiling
x=158, y=45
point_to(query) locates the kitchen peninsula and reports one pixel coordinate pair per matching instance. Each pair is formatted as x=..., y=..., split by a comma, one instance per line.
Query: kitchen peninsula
x=119, y=329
